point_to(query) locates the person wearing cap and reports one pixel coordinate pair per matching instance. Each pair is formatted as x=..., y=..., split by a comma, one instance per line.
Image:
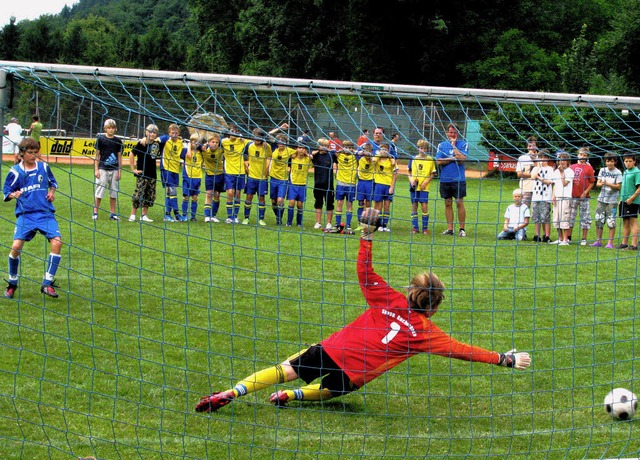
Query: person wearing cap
x=143, y=162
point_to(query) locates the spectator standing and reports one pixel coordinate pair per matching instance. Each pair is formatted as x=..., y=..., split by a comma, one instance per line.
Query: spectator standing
x=451, y=156
x=610, y=183
x=584, y=179
x=108, y=168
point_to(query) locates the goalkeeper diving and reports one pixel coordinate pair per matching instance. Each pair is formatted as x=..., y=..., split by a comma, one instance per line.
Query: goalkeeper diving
x=394, y=328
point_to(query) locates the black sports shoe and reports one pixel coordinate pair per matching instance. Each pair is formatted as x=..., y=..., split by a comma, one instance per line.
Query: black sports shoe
x=546, y=239
x=536, y=239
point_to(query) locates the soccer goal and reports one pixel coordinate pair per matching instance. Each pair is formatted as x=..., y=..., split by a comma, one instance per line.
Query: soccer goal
x=153, y=315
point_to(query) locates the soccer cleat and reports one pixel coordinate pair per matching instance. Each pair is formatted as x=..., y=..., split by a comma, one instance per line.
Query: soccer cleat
x=426, y=232
x=132, y=218
x=215, y=219
x=349, y=231
x=168, y=218
x=462, y=233
x=448, y=232
x=245, y=221
x=358, y=228
x=49, y=290
x=262, y=223
x=229, y=221
x=215, y=401
x=182, y=219
x=596, y=244
x=235, y=220
x=144, y=218
x=114, y=217
x=317, y=226
x=207, y=220
x=11, y=290
x=193, y=219
x=95, y=216
x=279, y=398
x=415, y=230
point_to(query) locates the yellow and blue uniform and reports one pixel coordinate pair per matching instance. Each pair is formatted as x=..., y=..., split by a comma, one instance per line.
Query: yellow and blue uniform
x=346, y=179
x=191, y=181
x=297, y=191
x=170, y=171
x=234, y=172
x=421, y=169
x=258, y=157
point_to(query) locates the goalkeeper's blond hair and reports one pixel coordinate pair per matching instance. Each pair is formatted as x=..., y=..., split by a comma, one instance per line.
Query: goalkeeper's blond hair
x=426, y=293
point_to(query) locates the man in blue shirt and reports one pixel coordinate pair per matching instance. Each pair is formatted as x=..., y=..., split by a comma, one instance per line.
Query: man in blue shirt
x=451, y=156
x=32, y=185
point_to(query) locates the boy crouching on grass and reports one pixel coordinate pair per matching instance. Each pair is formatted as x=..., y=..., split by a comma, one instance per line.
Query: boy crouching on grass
x=516, y=219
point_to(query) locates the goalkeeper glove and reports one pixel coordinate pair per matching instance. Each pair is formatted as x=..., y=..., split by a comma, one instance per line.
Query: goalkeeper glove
x=369, y=221
x=516, y=360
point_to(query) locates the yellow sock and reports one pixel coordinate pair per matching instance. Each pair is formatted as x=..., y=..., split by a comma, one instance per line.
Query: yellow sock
x=261, y=379
x=310, y=393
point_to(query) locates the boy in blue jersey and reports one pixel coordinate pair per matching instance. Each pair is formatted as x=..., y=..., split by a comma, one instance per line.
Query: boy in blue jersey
x=32, y=185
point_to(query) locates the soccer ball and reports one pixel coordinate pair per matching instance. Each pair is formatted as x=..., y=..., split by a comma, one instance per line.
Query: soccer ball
x=621, y=404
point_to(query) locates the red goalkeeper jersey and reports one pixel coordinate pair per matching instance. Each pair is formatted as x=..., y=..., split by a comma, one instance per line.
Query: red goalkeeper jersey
x=389, y=332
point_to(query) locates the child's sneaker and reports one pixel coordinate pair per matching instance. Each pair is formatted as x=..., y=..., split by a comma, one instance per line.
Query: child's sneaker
x=215, y=401
x=49, y=290
x=132, y=218
x=609, y=246
x=595, y=244
x=262, y=223
x=95, y=216
x=168, y=218
x=11, y=290
x=114, y=217
x=144, y=218
x=279, y=398
x=214, y=219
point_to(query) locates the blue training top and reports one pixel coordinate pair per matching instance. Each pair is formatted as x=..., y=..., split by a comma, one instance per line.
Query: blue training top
x=35, y=186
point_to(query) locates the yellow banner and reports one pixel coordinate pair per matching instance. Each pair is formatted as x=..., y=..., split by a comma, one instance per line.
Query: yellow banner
x=78, y=146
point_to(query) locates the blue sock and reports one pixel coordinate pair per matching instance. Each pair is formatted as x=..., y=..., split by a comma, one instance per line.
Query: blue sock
x=53, y=261
x=14, y=265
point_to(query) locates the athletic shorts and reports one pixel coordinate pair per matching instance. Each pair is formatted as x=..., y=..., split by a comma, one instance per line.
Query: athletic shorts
x=277, y=189
x=234, y=181
x=214, y=182
x=418, y=196
x=106, y=181
x=381, y=193
x=628, y=210
x=314, y=363
x=347, y=192
x=297, y=193
x=455, y=190
x=170, y=179
x=28, y=225
x=191, y=186
x=256, y=187
x=364, y=190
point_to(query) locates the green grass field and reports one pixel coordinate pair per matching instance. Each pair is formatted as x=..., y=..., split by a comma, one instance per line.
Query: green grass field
x=153, y=316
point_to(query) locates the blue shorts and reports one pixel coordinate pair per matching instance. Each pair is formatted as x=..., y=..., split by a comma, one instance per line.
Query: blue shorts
x=191, y=186
x=455, y=190
x=28, y=225
x=256, y=186
x=418, y=196
x=215, y=183
x=234, y=181
x=347, y=192
x=364, y=190
x=278, y=188
x=170, y=179
x=297, y=193
x=381, y=193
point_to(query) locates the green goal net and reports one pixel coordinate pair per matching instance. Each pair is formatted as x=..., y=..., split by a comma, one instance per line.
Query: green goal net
x=154, y=315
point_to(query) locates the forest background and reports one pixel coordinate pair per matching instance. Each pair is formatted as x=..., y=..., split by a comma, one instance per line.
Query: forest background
x=586, y=46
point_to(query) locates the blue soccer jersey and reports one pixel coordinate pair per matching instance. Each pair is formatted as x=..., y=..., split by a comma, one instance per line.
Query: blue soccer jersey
x=34, y=184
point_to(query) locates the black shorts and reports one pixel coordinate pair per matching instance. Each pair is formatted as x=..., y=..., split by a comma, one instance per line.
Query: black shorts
x=455, y=190
x=627, y=211
x=314, y=363
x=322, y=196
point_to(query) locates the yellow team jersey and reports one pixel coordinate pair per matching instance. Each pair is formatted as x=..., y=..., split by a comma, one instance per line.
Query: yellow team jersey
x=300, y=170
x=365, y=168
x=422, y=169
x=384, y=169
x=347, y=169
x=258, y=157
x=280, y=162
x=193, y=166
x=212, y=161
x=171, y=155
x=233, y=161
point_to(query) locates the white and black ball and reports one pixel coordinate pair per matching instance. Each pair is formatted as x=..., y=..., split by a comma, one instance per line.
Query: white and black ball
x=621, y=404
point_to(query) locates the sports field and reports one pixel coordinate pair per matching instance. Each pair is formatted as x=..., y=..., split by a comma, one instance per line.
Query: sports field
x=153, y=316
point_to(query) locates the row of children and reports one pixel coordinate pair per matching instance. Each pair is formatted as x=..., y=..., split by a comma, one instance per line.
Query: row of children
x=265, y=164
x=567, y=187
